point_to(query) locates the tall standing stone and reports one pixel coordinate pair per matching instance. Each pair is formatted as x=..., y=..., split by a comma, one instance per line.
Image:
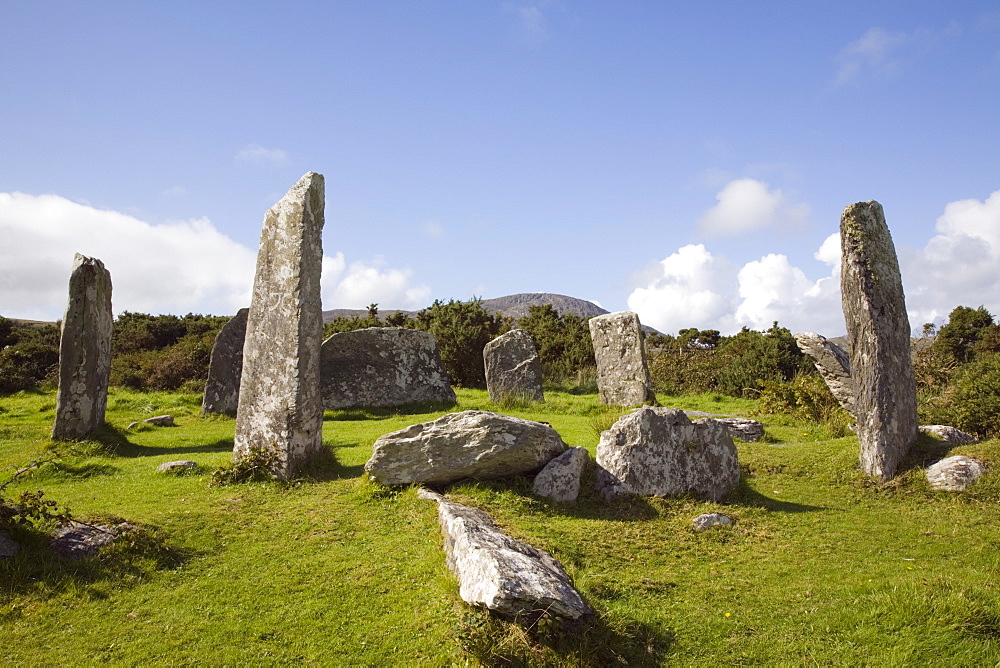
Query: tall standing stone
x=513, y=370
x=622, y=373
x=280, y=410
x=878, y=332
x=222, y=389
x=84, y=351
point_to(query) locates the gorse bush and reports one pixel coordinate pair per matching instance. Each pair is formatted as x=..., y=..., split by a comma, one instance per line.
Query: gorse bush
x=806, y=397
x=971, y=401
x=29, y=355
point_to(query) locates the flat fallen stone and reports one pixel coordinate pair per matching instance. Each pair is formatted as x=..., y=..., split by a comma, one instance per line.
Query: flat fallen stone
x=560, y=479
x=76, y=540
x=745, y=429
x=948, y=434
x=176, y=467
x=501, y=573
x=660, y=452
x=709, y=520
x=84, y=351
x=469, y=444
x=156, y=421
x=513, y=368
x=878, y=329
x=955, y=474
x=622, y=372
x=382, y=367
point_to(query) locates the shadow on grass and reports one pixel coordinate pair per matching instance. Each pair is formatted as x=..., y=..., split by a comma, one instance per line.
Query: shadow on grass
x=373, y=413
x=545, y=640
x=323, y=466
x=111, y=440
x=926, y=451
x=744, y=495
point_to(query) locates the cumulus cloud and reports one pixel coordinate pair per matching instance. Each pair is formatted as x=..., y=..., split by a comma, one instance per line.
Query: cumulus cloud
x=177, y=267
x=255, y=154
x=746, y=205
x=691, y=288
x=874, y=52
x=531, y=27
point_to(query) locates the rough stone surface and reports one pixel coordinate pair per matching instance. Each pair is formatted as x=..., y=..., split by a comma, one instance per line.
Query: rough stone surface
x=506, y=575
x=833, y=364
x=709, y=520
x=177, y=467
x=75, y=540
x=84, y=351
x=948, y=434
x=878, y=332
x=8, y=546
x=513, y=369
x=955, y=474
x=222, y=388
x=745, y=429
x=280, y=409
x=659, y=451
x=470, y=444
x=622, y=372
x=560, y=479
x=382, y=366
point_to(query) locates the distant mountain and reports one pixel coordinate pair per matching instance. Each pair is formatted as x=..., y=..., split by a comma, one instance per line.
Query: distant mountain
x=513, y=306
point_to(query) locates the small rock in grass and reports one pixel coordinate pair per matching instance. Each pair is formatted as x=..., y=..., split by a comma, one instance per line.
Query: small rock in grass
x=8, y=547
x=955, y=474
x=77, y=540
x=560, y=479
x=709, y=520
x=745, y=429
x=157, y=421
x=948, y=434
x=177, y=467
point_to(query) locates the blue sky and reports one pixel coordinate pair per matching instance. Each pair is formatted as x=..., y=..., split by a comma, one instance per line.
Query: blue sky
x=685, y=160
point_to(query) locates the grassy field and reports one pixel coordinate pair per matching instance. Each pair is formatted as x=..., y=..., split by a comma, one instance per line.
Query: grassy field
x=822, y=566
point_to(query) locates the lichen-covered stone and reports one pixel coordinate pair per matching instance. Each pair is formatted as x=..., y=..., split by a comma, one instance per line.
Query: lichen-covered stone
x=280, y=408
x=745, y=429
x=833, y=364
x=954, y=474
x=560, y=479
x=84, y=351
x=708, y=520
x=660, y=452
x=513, y=369
x=878, y=331
x=948, y=434
x=222, y=389
x=382, y=367
x=622, y=372
x=180, y=466
x=501, y=573
x=77, y=540
x=470, y=444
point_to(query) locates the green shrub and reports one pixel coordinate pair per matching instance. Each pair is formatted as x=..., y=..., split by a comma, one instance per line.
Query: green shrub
x=807, y=397
x=972, y=400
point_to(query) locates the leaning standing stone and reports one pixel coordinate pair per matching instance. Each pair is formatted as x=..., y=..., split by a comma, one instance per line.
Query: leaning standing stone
x=660, y=452
x=885, y=404
x=279, y=408
x=222, y=389
x=513, y=370
x=84, y=351
x=833, y=364
x=622, y=373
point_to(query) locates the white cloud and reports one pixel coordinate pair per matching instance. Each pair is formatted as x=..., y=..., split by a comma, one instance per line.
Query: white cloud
x=359, y=284
x=255, y=154
x=692, y=289
x=771, y=289
x=874, y=52
x=531, y=26
x=746, y=205
x=434, y=229
x=177, y=267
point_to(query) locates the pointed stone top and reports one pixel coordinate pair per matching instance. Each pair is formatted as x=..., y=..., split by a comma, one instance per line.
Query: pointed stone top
x=79, y=259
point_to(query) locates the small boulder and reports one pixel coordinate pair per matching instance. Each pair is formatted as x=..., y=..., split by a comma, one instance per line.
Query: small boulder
x=660, y=452
x=745, y=429
x=8, y=546
x=560, y=479
x=77, y=540
x=506, y=575
x=469, y=444
x=955, y=474
x=708, y=520
x=948, y=434
x=156, y=421
x=179, y=466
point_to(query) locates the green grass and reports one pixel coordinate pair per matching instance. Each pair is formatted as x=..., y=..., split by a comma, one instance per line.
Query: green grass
x=822, y=566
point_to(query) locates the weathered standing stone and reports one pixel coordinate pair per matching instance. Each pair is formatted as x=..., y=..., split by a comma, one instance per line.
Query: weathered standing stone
x=280, y=409
x=833, y=364
x=470, y=444
x=382, y=366
x=513, y=369
x=622, y=373
x=560, y=479
x=222, y=389
x=506, y=575
x=84, y=351
x=954, y=474
x=885, y=404
x=660, y=452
